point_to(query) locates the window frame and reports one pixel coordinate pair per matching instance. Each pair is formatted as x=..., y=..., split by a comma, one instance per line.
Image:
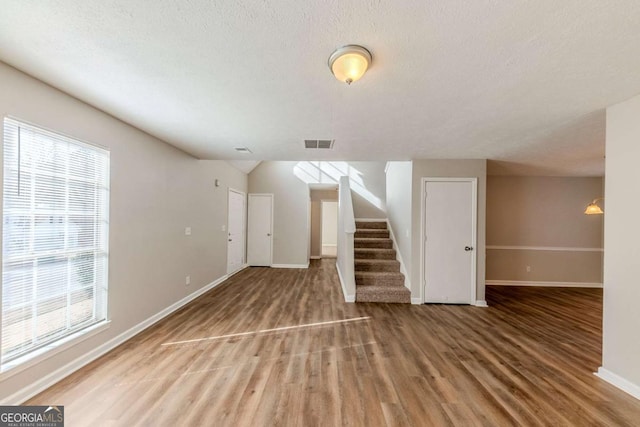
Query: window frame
x=101, y=181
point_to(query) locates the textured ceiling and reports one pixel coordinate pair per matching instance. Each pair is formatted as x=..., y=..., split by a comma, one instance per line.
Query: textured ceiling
x=523, y=83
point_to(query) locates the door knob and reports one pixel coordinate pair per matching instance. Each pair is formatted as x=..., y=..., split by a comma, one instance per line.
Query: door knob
x=230, y=240
x=269, y=234
x=468, y=248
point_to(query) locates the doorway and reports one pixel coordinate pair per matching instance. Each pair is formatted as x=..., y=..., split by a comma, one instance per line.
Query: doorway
x=449, y=212
x=260, y=230
x=235, y=230
x=329, y=235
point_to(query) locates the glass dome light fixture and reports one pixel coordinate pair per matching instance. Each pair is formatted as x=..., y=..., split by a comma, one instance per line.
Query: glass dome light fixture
x=349, y=63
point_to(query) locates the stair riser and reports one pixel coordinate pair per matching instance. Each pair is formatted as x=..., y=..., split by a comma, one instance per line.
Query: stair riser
x=390, y=254
x=388, y=267
x=382, y=234
x=380, y=224
x=379, y=244
x=391, y=282
x=401, y=296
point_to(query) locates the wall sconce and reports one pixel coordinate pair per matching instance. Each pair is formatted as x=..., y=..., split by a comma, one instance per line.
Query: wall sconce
x=593, y=208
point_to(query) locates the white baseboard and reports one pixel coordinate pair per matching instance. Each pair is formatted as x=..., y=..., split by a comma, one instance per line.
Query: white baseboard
x=347, y=298
x=315, y=257
x=370, y=219
x=616, y=380
x=478, y=303
x=290, y=265
x=47, y=381
x=544, y=284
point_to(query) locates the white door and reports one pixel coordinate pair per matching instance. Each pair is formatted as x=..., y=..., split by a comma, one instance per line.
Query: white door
x=235, y=229
x=329, y=228
x=260, y=230
x=449, y=215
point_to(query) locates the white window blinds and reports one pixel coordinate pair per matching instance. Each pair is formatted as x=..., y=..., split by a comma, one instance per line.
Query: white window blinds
x=55, y=237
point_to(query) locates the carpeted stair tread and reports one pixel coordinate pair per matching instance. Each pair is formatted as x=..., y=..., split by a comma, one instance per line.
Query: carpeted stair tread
x=383, y=294
x=377, y=272
x=386, y=265
x=372, y=243
x=374, y=253
x=379, y=278
x=371, y=224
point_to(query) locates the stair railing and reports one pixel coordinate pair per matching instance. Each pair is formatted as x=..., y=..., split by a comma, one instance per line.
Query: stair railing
x=346, y=231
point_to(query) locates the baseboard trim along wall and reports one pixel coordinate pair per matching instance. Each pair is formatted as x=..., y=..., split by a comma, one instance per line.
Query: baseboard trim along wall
x=315, y=257
x=478, y=303
x=370, y=219
x=290, y=265
x=347, y=298
x=45, y=382
x=619, y=382
x=544, y=284
x=544, y=248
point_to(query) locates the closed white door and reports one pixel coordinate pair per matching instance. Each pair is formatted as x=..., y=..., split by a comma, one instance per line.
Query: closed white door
x=260, y=230
x=449, y=226
x=235, y=229
x=329, y=228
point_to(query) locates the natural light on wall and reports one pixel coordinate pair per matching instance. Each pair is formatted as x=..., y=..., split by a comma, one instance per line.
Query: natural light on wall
x=320, y=172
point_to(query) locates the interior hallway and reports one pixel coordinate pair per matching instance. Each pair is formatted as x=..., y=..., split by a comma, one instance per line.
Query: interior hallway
x=242, y=355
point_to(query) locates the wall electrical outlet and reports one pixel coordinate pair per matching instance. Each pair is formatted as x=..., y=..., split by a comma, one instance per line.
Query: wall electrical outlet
x=224, y=227
x=528, y=269
x=187, y=231
x=187, y=280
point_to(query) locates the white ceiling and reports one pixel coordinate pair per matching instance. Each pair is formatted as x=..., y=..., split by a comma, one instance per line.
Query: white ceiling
x=524, y=83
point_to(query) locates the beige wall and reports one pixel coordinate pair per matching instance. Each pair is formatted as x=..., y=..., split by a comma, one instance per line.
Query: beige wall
x=291, y=210
x=536, y=216
x=621, y=346
x=316, y=217
x=448, y=168
x=156, y=191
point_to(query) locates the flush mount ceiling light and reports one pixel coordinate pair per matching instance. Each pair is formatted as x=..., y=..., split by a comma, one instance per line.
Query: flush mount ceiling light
x=593, y=208
x=349, y=63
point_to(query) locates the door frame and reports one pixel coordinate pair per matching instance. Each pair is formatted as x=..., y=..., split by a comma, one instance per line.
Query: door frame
x=474, y=231
x=272, y=230
x=244, y=228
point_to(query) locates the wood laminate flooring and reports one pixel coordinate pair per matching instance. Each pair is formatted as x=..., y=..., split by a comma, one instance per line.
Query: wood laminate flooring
x=280, y=347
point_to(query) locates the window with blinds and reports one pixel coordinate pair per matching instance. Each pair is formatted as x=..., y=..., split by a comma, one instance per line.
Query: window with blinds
x=54, y=238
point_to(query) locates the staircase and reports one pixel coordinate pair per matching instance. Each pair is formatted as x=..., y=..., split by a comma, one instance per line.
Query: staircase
x=377, y=272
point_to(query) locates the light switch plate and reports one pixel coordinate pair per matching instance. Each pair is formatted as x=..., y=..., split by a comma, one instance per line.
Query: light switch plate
x=187, y=231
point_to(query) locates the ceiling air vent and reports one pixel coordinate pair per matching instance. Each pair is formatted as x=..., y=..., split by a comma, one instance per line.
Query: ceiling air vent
x=242, y=150
x=323, y=144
